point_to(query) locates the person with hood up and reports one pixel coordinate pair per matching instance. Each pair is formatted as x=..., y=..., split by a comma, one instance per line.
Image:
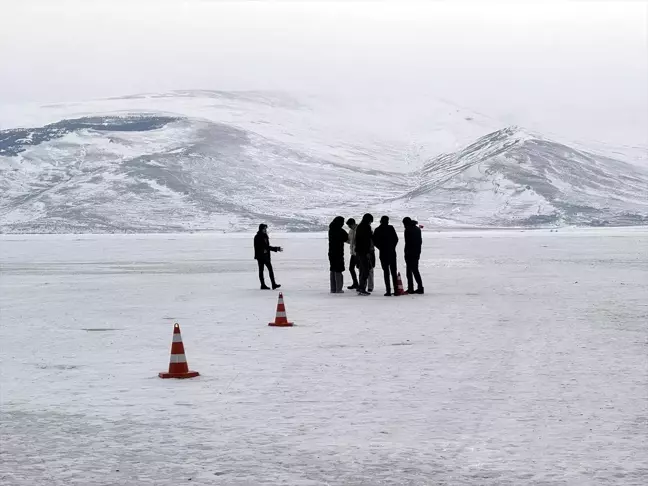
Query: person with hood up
x=337, y=237
x=262, y=251
x=386, y=239
x=363, y=247
x=413, y=243
x=353, y=261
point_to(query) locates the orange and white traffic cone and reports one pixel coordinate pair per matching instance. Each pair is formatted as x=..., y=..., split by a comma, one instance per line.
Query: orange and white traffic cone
x=178, y=367
x=281, y=320
x=400, y=290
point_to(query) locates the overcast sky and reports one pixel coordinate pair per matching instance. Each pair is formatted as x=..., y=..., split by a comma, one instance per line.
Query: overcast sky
x=579, y=68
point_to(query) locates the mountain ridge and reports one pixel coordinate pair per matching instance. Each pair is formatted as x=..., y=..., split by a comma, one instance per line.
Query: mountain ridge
x=222, y=162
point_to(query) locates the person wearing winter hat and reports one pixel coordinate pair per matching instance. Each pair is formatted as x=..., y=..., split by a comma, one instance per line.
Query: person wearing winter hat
x=413, y=243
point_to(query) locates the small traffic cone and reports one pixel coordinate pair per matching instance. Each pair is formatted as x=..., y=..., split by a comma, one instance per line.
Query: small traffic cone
x=178, y=367
x=281, y=320
x=400, y=290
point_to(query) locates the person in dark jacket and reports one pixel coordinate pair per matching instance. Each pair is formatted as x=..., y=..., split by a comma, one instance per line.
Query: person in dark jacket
x=262, y=251
x=363, y=248
x=386, y=239
x=413, y=243
x=337, y=238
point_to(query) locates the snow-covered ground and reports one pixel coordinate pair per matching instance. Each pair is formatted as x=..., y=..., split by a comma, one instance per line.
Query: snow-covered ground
x=524, y=363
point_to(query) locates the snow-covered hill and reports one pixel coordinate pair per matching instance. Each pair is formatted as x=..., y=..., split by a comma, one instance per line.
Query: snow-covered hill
x=209, y=160
x=510, y=177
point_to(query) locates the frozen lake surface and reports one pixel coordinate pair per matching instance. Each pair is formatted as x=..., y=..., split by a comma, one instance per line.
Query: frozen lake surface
x=526, y=362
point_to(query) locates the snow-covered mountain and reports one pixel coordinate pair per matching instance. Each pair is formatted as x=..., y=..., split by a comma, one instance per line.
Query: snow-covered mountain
x=209, y=160
x=510, y=177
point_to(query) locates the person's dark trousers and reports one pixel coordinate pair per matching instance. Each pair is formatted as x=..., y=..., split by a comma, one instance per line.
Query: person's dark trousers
x=364, y=264
x=332, y=282
x=352, y=266
x=388, y=263
x=413, y=271
x=265, y=262
x=337, y=282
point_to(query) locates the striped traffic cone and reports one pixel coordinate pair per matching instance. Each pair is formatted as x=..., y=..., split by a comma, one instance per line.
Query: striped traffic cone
x=400, y=290
x=178, y=367
x=281, y=320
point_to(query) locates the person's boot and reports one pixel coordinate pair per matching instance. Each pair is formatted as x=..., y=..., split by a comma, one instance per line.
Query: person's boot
x=264, y=287
x=353, y=287
x=275, y=286
x=419, y=291
x=388, y=294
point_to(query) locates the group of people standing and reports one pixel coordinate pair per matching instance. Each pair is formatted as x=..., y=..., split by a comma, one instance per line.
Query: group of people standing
x=363, y=242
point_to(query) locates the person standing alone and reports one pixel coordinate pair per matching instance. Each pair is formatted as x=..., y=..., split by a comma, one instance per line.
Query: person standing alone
x=386, y=239
x=363, y=245
x=337, y=237
x=262, y=251
x=413, y=243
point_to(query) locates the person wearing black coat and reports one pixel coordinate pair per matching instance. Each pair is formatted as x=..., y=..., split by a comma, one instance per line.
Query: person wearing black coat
x=363, y=248
x=386, y=239
x=337, y=237
x=262, y=251
x=413, y=243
